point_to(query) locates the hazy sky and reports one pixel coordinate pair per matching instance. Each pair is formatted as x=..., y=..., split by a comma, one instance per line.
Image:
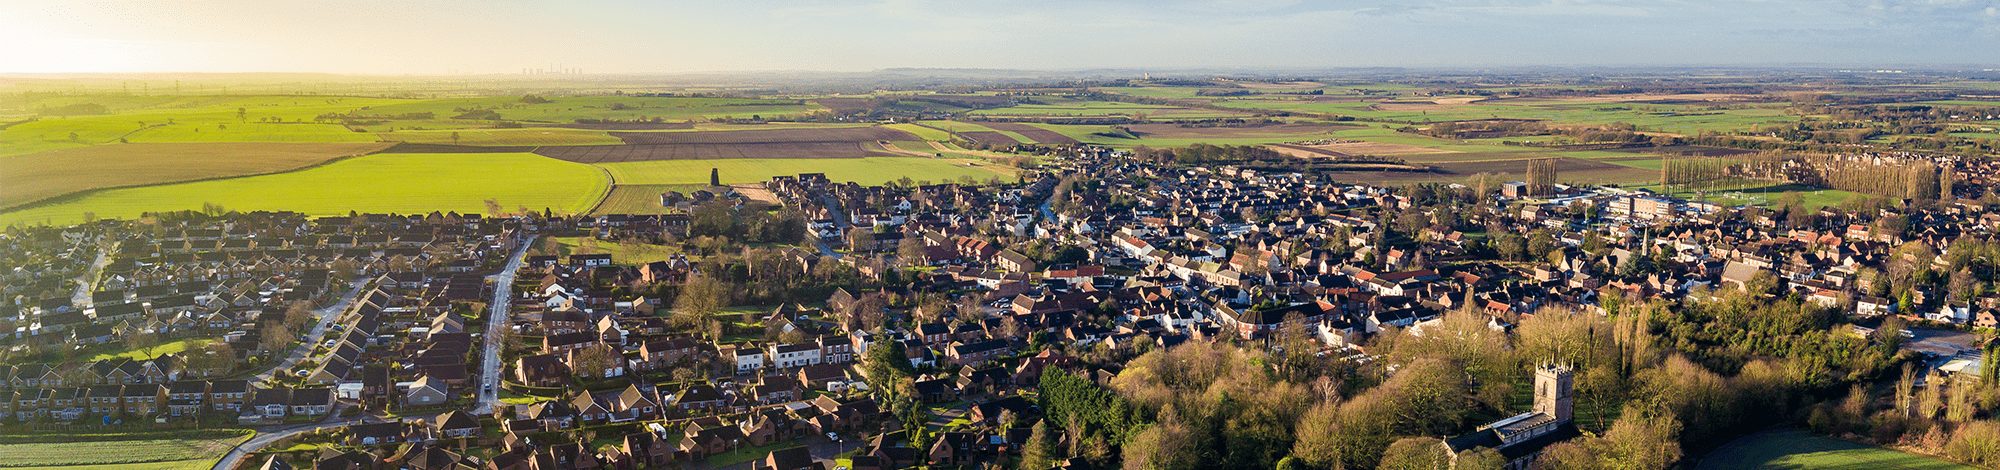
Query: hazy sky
x=505, y=36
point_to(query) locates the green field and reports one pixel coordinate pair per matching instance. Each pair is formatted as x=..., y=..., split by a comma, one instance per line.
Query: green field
x=404, y=183
x=633, y=254
x=1065, y=107
x=1799, y=449
x=1674, y=118
x=566, y=109
x=186, y=119
x=1095, y=134
x=522, y=136
x=180, y=449
x=868, y=171
x=640, y=198
x=25, y=179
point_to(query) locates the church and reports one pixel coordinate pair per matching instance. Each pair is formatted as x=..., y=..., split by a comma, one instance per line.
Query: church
x=1520, y=438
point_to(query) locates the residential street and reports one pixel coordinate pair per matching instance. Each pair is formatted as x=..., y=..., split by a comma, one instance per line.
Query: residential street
x=320, y=328
x=496, y=324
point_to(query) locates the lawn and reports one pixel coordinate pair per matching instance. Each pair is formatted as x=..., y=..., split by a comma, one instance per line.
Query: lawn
x=867, y=171
x=1800, y=449
x=122, y=450
x=174, y=347
x=403, y=183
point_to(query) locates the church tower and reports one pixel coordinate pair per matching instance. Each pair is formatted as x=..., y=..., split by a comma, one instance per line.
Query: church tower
x=1553, y=391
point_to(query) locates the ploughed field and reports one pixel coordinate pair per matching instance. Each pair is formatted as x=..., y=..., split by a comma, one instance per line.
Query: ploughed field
x=840, y=142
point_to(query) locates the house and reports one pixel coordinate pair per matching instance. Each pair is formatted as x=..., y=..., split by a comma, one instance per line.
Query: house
x=790, y=458
x=426, y=391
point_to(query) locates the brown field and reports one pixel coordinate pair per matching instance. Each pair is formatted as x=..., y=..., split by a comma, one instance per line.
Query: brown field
x=1038, y=134
x=630, y=126
x=989, y=138
x=839, y=142
x=1687, y=150
x=805, y=135
x=1301, y=151
x=1176, y=131
x=35, y=177
x=643, y=152
x=1380, y=148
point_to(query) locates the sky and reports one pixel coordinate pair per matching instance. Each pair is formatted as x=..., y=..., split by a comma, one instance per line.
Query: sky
x=635, y=36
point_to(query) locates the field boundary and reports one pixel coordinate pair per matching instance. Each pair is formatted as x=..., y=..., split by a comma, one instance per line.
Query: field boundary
x=75, y=195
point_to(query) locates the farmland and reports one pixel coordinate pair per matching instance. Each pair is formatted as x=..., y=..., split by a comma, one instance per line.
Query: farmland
x=1798, y=449
x=1066, y=107
x=1171, y=135
x=833, y=142
x=43, y=175
x=640, y=198
x=406, y=183
x=507, y=137
x=870, y=170
x=136, y=450
x=1686, y=119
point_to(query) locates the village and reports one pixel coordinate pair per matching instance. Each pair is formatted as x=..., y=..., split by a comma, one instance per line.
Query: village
x=892, y=326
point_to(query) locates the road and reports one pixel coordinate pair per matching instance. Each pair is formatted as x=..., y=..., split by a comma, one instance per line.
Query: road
x=88, y=280
x=839, y=226
x=267, y=436
x=324, y=324
x=496, y=324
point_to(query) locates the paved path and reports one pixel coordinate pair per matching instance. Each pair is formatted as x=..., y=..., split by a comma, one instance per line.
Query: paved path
x=320, y=328
x=496, y=325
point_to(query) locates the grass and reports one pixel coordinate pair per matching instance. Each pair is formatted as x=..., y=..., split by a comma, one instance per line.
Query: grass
x=174, y=347
x=641, y=198
x=1799, y=449
x=634, y=254
x=746, y=454
x=54, y=173
x=403, y=183
x=181, y=449
x=922, y=132
x=190, y=464
x=867, y=171
x=1758, y=193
